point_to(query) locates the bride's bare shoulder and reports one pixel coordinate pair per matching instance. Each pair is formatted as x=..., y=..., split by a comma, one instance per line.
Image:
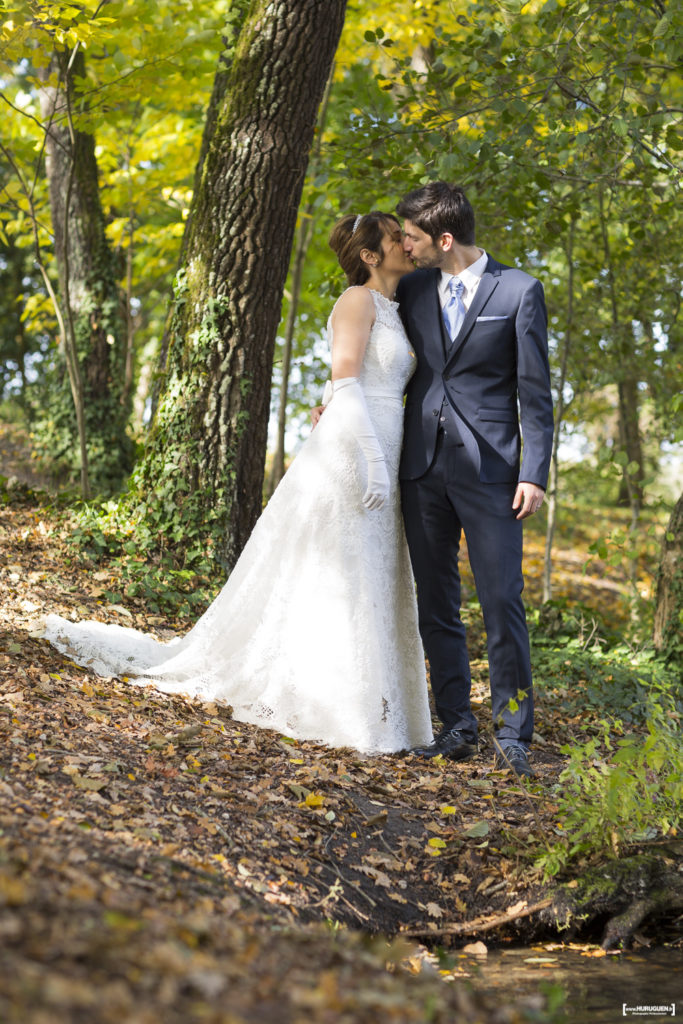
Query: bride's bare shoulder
x=355, y=303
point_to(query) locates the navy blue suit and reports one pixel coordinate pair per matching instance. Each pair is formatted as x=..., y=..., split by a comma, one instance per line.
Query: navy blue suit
x=459, y=470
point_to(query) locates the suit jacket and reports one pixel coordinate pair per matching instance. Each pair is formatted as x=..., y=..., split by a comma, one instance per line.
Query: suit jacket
x=493, y=376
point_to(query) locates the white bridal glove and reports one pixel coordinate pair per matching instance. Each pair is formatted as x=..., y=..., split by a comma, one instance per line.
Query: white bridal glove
x=348, y=394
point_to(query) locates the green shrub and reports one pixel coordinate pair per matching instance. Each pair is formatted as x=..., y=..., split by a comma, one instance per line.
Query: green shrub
x=619, y=789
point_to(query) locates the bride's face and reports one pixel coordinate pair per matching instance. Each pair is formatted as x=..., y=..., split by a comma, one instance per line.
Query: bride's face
x=394, y=257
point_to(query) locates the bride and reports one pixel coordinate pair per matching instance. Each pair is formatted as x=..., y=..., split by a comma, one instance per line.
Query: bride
x=315, y=632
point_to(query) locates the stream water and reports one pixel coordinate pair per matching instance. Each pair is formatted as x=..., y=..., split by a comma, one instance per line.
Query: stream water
x=592, y=987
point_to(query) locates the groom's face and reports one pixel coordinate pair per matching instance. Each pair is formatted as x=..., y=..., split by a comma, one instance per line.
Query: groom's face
x=420, y=247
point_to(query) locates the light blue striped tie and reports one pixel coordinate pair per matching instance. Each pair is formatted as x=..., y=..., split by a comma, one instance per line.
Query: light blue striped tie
x=454, y=311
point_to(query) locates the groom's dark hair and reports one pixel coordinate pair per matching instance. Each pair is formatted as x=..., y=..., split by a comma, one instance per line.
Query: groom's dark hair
x=439, y=207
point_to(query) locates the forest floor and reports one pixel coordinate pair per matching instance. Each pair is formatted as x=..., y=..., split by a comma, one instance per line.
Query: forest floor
x=161, y=862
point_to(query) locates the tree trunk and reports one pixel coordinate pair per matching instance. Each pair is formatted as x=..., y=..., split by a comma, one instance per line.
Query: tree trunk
x=631, y=489
x=129, y=362
x=15, y=259
x=205, y=459
x=669, y=602
x=559, y=413
x=87, y=272
x=303, y=241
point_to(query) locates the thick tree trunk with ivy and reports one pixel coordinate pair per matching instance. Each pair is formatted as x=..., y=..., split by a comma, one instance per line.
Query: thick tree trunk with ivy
x=88, y=287
x=203, y=469
x=668, y=628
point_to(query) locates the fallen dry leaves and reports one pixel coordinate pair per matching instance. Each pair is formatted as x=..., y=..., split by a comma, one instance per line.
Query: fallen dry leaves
x=162, y=862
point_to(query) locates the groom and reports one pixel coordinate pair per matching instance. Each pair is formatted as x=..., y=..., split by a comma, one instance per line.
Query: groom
x=479, y=333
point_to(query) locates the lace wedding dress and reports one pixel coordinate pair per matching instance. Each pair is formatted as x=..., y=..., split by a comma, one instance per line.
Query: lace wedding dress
x=315, y=632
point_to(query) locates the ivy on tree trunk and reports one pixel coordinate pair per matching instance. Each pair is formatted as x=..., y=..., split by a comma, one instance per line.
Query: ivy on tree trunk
x=203, y=468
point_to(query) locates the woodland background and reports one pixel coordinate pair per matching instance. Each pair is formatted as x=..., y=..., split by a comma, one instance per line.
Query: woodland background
x=169, y=174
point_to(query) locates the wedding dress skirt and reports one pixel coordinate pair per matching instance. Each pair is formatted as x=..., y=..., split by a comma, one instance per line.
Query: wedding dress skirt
x=315, y=632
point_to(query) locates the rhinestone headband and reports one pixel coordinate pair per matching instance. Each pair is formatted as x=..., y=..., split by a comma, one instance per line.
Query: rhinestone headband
x=356, y=223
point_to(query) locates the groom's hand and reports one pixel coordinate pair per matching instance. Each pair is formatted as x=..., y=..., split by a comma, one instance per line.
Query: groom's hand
x=528, y=499
x=316, y=413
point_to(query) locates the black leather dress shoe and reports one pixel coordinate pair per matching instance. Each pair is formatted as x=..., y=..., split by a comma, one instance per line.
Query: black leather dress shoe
x=449, y=743
x=515, y=758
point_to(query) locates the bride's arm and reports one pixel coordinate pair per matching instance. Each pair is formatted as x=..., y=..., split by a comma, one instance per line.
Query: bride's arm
x=351, y=325
x=352, y=322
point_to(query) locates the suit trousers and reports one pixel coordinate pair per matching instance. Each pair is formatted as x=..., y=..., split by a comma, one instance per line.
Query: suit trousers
x=446, y=501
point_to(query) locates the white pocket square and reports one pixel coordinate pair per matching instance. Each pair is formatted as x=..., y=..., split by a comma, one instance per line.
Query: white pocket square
x=492, y=318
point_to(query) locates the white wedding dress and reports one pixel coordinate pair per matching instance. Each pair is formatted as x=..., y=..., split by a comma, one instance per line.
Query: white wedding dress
x=315, y=632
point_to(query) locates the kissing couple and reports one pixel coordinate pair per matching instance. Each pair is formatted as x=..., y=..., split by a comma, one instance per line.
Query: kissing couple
x=318, y=632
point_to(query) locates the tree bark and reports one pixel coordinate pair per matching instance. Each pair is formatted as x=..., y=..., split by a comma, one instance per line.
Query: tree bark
x=669, y=601
x=631, y=489
x=212, y=416
x=87, y=273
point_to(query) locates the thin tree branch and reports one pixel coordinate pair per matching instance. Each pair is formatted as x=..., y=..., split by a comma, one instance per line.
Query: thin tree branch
x=480, y=924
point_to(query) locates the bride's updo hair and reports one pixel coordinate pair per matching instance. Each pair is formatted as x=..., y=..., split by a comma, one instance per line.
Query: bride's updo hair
x=348, y=243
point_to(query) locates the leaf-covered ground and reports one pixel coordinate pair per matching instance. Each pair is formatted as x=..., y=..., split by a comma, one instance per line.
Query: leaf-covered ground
x=161, y=862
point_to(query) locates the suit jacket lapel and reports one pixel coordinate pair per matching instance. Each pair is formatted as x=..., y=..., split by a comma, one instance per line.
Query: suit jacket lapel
x=486, y=287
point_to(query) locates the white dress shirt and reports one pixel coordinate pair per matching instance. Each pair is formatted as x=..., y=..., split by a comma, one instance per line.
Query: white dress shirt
x=470, y=277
